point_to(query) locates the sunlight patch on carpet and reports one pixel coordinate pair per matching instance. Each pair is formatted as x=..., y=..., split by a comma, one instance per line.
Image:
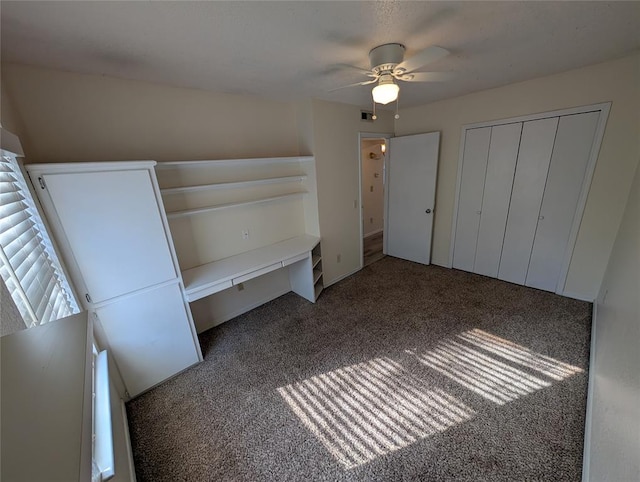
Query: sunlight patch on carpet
x=494, y=367
x=363, y=411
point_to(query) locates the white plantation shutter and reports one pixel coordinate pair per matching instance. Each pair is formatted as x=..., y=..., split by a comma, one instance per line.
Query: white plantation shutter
x=28, y=263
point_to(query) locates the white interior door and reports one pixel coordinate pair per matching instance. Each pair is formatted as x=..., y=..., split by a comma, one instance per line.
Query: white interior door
x=564, y=184
x=413, y=165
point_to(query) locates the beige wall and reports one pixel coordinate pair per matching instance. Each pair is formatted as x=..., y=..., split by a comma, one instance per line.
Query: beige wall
x=617, y=81
x=75, y=117
x=335, y=136
x=612, y=445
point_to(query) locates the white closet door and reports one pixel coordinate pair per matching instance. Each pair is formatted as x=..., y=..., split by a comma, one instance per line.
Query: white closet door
x=113, y=224
x=149, y=335
x=564, y=184
x=536, y=146
x=503, y=152
x=474, y=167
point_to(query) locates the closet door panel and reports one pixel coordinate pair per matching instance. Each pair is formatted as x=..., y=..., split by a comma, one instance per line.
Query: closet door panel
x=536, y=146
x=474, y=166
x=503, y=152
x=112, y=221
x=564, y=184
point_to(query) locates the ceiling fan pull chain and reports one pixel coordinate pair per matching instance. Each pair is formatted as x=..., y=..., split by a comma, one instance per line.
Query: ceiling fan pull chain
x=374, y=116
x=397, y=116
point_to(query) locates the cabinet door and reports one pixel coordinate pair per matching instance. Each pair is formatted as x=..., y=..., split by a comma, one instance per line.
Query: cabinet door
x=571, y=152
x=501, y=166
x=536, y=145
x=474, y=167
x=150, y=336
x=112, y=222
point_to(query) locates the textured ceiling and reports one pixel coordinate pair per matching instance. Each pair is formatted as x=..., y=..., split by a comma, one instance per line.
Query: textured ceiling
x=285, y=50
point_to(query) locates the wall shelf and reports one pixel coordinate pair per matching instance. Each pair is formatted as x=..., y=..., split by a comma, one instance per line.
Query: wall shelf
x=242, y=221
x=232, y=185
x=193, y=211
x=252, y=161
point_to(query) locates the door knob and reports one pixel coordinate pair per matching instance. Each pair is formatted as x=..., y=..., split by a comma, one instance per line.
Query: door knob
x=428, y=211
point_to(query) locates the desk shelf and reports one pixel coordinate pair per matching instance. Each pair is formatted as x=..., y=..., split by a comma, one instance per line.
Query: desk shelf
x=216, y=276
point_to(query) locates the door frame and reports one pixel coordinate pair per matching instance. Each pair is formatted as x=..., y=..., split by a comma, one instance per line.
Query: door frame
x=361, y=137
x=604, y=109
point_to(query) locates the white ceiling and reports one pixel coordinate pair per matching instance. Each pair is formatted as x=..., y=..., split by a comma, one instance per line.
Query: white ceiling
x=285, y=50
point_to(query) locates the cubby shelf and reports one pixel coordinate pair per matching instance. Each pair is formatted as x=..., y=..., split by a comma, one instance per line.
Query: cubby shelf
x=189, y=212
x=315, y=260
x=233, y=185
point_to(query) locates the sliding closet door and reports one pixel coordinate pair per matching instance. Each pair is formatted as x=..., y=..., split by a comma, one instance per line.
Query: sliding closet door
x=536, y=146
x=571, y=153
x=474, y=167
x=503, y=152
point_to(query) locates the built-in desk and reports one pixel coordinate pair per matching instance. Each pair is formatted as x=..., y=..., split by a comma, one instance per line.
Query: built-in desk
x=301, y=254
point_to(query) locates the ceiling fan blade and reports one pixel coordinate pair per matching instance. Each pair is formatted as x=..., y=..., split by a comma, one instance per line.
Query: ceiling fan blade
x=352, y=68
x=428, y=55
x=353, y=85
x=426, y=77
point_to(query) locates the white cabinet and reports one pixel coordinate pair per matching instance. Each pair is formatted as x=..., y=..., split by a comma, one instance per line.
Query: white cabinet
x=111, y=219
x=110, y=224
x=521, y=191
x=154, y=323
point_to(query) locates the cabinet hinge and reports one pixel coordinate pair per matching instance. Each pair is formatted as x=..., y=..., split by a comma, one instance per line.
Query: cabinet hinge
x=42, y=184
x=87, y=297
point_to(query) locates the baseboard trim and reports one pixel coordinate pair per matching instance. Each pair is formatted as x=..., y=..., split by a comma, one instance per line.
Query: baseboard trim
x=576, y=296
x=586, y=452
x=219, y=320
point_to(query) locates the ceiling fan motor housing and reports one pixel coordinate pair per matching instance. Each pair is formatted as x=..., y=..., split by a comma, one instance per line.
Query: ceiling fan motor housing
x=384, y=58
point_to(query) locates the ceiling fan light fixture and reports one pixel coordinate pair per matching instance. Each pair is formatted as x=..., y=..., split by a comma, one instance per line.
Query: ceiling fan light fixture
x=386, y=91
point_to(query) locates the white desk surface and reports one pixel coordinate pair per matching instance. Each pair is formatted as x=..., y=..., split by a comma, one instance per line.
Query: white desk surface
x=198, y=280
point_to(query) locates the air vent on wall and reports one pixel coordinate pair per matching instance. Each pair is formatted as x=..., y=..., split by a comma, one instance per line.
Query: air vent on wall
x=366, y=116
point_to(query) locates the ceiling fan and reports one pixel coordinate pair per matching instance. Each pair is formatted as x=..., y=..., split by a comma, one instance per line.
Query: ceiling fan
x=388, y=66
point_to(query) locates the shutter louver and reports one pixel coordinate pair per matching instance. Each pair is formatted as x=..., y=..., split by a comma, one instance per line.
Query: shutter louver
x=28, y=263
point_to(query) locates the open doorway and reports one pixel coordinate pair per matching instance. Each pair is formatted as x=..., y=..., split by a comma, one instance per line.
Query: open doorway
x=372, y=197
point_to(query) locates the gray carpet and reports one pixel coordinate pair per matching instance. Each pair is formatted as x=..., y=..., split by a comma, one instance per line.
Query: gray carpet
x=401, y=372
